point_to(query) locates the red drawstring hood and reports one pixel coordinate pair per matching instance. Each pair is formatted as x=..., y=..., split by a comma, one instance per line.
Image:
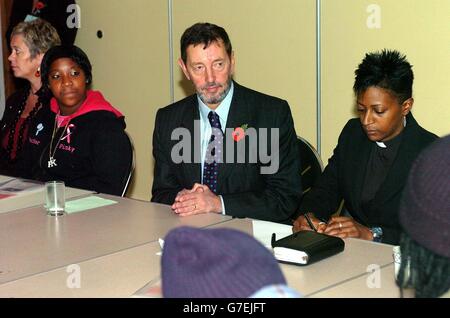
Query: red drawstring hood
x=94, y=102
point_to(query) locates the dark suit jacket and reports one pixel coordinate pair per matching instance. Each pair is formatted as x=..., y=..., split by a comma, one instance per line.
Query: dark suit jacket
x=245, y=191
x=343, y=178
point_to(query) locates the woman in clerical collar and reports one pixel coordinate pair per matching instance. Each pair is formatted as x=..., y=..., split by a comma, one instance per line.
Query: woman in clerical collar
x=371, y=162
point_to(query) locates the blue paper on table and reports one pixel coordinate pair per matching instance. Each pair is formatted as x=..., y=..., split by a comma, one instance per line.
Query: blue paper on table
x=87, y=203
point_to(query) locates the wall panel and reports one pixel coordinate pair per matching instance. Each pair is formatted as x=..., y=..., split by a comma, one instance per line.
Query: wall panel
x=131, y=68
x=274, y=45
x=417, y=28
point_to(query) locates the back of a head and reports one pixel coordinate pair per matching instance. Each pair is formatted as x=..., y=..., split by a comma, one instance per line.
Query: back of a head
x=425, y=209
x=216, y=263
x=425, y=217
x=38, y=35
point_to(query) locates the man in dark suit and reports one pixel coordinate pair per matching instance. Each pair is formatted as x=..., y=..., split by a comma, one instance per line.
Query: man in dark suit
x=226, y=149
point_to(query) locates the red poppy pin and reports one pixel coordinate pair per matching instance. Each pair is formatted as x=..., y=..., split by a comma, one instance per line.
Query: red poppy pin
x=39, y=6
x=239, y=132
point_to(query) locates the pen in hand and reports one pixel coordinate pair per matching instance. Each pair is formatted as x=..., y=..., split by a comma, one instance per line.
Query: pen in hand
x=310, y=223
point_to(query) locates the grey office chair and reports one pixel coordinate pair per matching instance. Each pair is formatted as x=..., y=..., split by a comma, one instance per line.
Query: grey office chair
x=129, y=176
x=311, y=168
x=311, y=164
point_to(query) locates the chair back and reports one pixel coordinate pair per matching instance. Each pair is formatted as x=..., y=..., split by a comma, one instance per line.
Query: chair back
x=311, y=164
x=129, y=176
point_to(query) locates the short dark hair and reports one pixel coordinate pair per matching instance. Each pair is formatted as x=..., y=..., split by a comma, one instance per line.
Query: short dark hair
x=387, y=69
x=65, y=51
x=204, y=33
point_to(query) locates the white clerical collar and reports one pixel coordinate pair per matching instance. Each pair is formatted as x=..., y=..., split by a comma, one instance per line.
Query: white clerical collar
x=381, y=144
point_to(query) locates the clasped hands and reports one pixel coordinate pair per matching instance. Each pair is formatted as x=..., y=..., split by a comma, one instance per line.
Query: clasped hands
x=340, y=226
x=199, y=199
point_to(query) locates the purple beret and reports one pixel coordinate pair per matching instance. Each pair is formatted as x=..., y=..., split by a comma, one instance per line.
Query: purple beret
x=215, y=263
x=425, y=206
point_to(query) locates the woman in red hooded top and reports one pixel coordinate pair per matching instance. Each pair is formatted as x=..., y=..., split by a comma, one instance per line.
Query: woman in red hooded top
x=81, y=139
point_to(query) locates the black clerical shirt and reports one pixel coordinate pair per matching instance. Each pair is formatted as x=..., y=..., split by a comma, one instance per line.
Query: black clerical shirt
x=381, y=157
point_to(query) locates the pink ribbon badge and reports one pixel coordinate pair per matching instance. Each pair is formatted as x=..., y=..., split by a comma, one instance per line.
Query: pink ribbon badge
x=69, y=132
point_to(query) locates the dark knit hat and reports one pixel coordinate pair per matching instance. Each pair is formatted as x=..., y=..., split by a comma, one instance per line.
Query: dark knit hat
x=425, y=206
x=215, y=263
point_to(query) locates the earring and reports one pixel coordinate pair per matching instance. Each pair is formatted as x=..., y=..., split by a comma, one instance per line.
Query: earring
x=404, y=121
x=38, y=72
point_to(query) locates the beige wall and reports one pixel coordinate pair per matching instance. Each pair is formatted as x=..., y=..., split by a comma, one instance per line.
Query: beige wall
x=131, y=67
x=417, y=28
x=274, y=44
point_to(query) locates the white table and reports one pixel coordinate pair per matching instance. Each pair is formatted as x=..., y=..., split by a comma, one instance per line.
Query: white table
x=118, y=274
x=33, y=198
x=32, y=242
x=352, y=263
x=115, y=247
x=380, y=284
x=122, y=273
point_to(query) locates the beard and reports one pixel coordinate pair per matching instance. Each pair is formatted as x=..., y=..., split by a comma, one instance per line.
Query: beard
x=219, y=97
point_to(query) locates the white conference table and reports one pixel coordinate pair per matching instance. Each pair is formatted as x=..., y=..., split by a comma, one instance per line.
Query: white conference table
x=346, y=266
x=367, y=285
x=118, y=274
x=116, y=250
x=32, y=242
x=28, y=199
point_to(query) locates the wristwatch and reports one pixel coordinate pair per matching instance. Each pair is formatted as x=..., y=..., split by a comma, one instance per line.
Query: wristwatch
x=377, y=233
